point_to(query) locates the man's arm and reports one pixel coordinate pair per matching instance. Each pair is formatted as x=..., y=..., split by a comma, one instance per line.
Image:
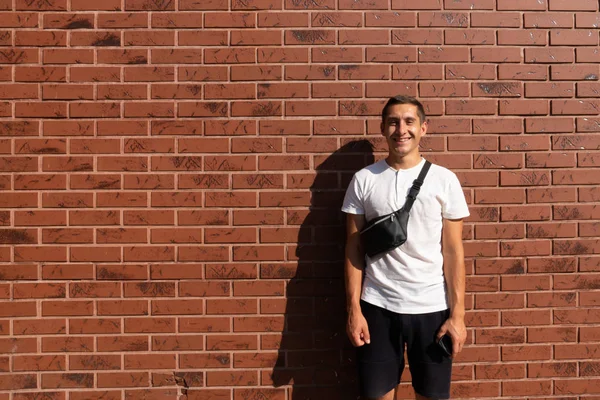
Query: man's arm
x=357, y=329
x=454, y=273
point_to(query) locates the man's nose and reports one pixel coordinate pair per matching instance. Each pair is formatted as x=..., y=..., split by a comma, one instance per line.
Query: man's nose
x=402, y=126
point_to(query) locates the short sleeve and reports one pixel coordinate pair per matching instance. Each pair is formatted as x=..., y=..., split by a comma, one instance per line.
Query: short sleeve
x=455, y=205
x=353, y=203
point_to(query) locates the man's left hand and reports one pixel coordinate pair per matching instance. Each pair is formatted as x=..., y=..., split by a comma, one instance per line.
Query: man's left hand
x=456, y=329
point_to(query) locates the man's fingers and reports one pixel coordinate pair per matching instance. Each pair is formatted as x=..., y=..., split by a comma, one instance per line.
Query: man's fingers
x=455, y=349
x=366, y=335
x=443, y=330
x=357, y=339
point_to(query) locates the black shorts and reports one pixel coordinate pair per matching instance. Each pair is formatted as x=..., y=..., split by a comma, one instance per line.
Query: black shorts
x=381, y=362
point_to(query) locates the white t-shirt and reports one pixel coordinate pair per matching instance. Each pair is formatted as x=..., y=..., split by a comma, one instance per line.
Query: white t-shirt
x=410, y=278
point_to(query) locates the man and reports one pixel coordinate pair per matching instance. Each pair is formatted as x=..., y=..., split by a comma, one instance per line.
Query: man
x=412, y=295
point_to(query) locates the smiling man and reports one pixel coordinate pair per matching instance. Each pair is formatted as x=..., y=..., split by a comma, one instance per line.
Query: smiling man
x=410, y=297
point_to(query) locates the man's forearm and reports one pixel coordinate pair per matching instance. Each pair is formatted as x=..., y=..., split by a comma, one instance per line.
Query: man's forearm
x=353, y=270
x=454, y=271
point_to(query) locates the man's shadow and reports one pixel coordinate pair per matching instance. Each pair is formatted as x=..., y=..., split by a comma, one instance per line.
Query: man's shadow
x=315, y=356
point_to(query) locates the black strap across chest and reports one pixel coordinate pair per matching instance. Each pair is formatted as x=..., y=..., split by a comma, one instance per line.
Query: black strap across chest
x=416, y=187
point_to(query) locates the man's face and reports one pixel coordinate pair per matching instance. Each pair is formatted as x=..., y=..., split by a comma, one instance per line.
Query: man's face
x=403, y=129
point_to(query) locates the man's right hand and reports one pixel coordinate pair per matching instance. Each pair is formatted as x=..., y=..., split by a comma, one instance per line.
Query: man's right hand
x=357, y=329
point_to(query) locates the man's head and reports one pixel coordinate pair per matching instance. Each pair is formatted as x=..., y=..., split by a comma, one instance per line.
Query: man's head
x=403, y=124
x=404, y=100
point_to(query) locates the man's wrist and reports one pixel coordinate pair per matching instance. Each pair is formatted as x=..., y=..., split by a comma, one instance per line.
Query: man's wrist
x=457, y=311
x=353, y=307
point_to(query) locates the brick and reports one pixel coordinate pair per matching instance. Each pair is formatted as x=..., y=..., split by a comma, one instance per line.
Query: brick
x=18, y=381
x=38, y=290
x=94, y=362
x=586, y=20
x=557, y=265
x=550, y=299
x=532, y=248
x=342, y=54
x=418, y=72
x=549, y=160
x=468, y=5
x=18, y=345
x=574, y=107
x=74, y=272
x=468, y=389
x=478, y=107
x=362, y=5
x=69, y=56
x=565, y=73
x=206, y=360
x=67, y=308
x=239, y=378
x=82, y=5
x=257, y=5
x=259, y=38
x=121, y=272
x=578, y=37
x=496, y=55
x=530, y=388
x=310, y=37
x=551, y=230
x=47, y=326
x=509, y=371
x=526, y=5
x=149, y=361
x=93, y=325
x=502, y=231
x=417, y=36
x=122, y=379
x=549, y=55
x=581, y=5
x=67, y=344
x=526, y=353
x=549, y=335
x=541, y=125
x=283, y=55
x=548, y=20
x=551, y=195
x=117, y=20
x=19, y=309
x=588, y=194
x=230, y=306
x=523, y=72
x=496, y=20
x=293, y=19
x=581, y=281
x=522, y=37
x=525, y=317
x=543, y=89
x=445, y=55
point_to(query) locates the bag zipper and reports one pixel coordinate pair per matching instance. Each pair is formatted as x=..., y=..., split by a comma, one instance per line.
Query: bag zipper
x=380, y=221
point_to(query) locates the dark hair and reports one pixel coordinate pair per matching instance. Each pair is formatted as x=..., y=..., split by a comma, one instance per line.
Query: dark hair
x=404, y=100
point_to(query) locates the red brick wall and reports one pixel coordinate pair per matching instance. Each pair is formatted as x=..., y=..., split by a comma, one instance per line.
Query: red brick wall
x=172, y=171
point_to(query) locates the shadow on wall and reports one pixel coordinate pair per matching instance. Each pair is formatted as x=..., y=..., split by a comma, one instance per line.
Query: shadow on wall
x=315, y=357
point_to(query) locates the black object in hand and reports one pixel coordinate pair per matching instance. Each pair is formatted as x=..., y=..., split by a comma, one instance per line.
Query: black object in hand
x=445, y=343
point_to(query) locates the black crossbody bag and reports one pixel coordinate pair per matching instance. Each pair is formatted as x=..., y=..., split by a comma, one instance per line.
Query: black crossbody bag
x=389, y=231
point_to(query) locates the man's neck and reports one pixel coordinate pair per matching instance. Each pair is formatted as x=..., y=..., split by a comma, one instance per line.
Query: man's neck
x=403, y=162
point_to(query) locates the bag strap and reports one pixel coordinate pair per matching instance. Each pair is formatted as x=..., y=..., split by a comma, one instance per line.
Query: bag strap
x=416, y=187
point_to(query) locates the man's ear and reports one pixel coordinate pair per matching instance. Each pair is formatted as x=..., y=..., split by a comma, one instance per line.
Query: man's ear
x=381, y=126
x=424, y=127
